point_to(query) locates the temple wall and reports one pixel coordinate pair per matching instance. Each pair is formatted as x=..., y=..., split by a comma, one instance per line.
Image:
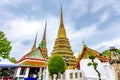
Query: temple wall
x=69, y=75
x=105, y=69
x=74, y=75
x=109, y=71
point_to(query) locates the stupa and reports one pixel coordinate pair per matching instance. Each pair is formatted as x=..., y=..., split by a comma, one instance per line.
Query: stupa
x=62, y=46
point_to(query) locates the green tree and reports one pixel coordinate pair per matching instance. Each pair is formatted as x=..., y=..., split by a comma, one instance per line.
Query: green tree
x=5, y=46
x=91, y=57
x=106, y=53
x=12, y=59
x=56, y=64
x=118, y=51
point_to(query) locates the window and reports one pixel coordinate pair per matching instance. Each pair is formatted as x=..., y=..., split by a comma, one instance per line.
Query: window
x=23, y=70
x=71, y=75
x=80, y=75
x=76, y=75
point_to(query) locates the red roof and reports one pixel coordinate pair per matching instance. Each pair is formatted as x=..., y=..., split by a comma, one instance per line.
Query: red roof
x=33, y=63
x=34, y=58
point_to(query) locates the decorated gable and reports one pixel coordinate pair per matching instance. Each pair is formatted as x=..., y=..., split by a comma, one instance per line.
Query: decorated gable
x=35, y=54
x=87, y=51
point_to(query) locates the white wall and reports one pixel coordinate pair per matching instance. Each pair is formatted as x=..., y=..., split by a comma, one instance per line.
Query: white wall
x=110, y=74
x=68, y=72
x=104, y=69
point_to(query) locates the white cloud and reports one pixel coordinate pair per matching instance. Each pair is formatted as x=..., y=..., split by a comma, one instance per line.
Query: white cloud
x=78, y=8
x=10, y=2
x=100, y=4
x=104, y=17
x=107, y=44
x=83, y=33
x=22, y=28
x=117, y=8
x=109, y=37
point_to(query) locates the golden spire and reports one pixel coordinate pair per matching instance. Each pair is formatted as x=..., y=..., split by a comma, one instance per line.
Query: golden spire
x=61, y=31
x=34, y=45
x=43, y=42
x=61, y=17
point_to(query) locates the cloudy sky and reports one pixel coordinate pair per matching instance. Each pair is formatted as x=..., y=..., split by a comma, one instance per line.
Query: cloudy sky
x=97, y=22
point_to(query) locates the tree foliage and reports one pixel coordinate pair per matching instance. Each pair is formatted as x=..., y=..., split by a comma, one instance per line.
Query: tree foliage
x=5, y=46
x=95, y=64
x=3, y=72
x=118, y=51
x=12, y=59
x=106, y=53
x=56, y=64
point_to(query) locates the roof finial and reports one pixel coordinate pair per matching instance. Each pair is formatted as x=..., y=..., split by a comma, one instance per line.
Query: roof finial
x=34, y=45
x=83, y=42
x=61, y=16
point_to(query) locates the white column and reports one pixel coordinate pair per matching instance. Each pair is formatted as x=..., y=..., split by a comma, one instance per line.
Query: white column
x=47, y=73
x=18, y=72
x=27, y=72
x=39, y=73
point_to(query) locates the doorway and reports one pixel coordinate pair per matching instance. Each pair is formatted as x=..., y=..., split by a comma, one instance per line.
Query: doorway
x=33, y=73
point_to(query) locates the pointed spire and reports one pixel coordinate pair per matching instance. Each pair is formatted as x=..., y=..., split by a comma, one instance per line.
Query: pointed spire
x=34, y=45
x=61, y=31
x=43, y=42
x=61, y=16
x=44, y=35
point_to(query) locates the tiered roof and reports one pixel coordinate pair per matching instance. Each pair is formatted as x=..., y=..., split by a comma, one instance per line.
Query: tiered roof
x=33, y=59
x=62, y=45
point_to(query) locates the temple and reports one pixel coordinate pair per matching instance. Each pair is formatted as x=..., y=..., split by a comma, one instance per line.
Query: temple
x=35, y=61
x=32, y=64
x=62, y=46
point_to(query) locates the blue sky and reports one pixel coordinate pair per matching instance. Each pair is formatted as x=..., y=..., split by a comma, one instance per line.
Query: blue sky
x=97, y=22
